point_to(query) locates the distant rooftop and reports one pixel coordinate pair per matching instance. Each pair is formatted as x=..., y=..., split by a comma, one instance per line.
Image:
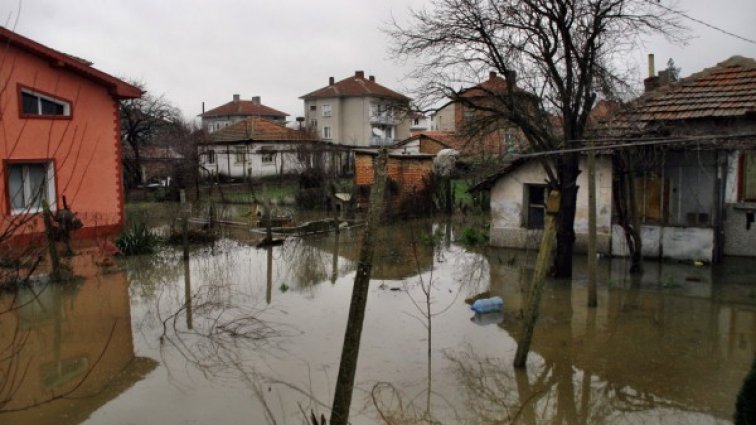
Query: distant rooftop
x=238, y=107
x=259, y=129
x=355, y=86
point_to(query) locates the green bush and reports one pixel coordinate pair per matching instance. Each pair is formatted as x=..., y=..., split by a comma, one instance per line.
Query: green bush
x=472, y=236
x=137, y=239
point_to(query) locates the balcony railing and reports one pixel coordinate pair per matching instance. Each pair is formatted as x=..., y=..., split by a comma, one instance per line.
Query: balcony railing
x=384, y=118
x=381, y=141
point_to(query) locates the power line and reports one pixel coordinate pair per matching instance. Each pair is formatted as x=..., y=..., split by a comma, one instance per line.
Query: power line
x=621, y=143
x=706, y=24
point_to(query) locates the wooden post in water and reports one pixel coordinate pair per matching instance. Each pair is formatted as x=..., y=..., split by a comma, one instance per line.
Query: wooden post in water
x=184, y=224
x=543, y=261
x=188, y=295
x=592, y=296
x=55, y=273
x=342, y=398
x=269, y=276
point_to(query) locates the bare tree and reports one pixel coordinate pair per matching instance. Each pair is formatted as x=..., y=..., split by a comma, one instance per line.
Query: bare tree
x=142, y=122
x=558, y=57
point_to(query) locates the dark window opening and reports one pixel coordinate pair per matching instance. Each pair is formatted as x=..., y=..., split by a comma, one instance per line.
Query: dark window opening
x=535, y=200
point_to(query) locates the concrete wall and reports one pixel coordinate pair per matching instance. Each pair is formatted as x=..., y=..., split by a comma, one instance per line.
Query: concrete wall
x=443, y=120
x=350, y=119
x=738, y=238
x=334, y=121
x=669, y=242
x=508, y=215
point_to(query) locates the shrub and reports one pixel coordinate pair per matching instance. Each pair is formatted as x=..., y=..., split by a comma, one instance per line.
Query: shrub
x=472, y=236
x=137, y=239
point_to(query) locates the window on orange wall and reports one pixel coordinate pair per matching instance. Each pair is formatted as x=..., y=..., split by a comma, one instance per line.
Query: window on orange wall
x=29, y=185
x=748, y=177
x=38, y=104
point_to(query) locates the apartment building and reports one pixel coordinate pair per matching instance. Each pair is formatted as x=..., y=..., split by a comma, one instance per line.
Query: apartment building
x=357, y=111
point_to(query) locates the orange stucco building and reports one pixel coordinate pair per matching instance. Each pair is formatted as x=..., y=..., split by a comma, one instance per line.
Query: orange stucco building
x=59, y=136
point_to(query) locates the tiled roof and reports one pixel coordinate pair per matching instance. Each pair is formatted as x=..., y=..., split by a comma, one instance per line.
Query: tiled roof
x=447, y=138
x=259, y=129
x=725, y=90
x=244, y=108
x=492, y=86
x=118, y=88
x=356, y=86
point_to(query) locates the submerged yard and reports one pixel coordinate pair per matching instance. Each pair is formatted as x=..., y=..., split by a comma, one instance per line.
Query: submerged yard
x=246, y=335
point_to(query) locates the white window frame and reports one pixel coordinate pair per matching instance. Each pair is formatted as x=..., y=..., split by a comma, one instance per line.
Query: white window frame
x=66, y=104
x=210, y=156
x=326, y=110
x=49, y=181
x=327, y=132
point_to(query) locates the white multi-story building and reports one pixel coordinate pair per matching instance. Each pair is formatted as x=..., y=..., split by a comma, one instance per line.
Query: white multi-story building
x=357, y=111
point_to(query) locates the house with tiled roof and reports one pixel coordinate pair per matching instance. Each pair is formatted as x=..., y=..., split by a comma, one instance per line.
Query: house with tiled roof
x=61, y=140
x=697, y=199
x=238, y=110
x=466, y=116
x=357, y=112
x=257, y=147
x=687, y=151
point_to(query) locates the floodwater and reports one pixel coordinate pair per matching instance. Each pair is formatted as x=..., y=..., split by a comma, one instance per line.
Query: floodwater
x=246, y=335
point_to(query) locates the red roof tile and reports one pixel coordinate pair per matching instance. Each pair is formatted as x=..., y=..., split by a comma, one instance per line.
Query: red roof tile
x=118, y=88
x=725, y=90
x=355, y=86
x=259, y=129
x=492, y=86
x=244, y=108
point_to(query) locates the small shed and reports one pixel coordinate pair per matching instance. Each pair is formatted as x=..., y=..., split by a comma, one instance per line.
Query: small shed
x=518, y=198
x=410, y=180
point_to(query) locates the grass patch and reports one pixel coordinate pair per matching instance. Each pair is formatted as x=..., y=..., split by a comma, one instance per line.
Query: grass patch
x=138, y=239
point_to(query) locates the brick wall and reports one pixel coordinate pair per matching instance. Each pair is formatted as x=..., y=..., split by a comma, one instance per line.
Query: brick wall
x=408, y=175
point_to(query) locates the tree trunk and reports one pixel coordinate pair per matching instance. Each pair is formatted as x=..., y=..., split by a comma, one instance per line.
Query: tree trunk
x=348, y=365
x=568, y=173
x=539, y=280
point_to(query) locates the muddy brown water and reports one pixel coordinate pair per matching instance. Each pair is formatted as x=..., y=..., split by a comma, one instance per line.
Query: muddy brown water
x=246, y=335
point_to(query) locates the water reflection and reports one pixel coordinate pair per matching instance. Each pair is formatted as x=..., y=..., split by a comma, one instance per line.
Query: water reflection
x=671, y=346
x=651, y=346
x=67, y=351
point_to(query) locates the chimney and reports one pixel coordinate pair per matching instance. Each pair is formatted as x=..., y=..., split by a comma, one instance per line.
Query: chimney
x=330, y=81
x=236, y=98
x=651, y=70
x=511, y=76
x=652, y=82
x=491, y=75
x=359, y=74
x=256, y=100
x=372, y=78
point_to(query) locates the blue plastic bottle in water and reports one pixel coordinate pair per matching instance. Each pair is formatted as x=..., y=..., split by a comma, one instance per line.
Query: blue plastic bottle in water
x=488, y=305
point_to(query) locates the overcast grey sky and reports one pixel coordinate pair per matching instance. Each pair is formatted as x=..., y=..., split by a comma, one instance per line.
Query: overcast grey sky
x=195, y=51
